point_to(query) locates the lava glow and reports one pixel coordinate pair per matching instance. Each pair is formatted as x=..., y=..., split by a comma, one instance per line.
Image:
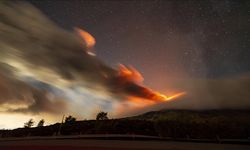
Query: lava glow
x=132, y=78
x=172, y=97
x=140, y=102
x=159, y=97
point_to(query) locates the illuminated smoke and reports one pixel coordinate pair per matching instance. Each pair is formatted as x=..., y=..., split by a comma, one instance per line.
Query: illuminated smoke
x=37, y=49
x=130, y=74
x=88, y=40
x=129, y=80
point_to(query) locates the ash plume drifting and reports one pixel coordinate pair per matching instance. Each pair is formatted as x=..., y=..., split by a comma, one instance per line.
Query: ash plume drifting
x=228, y=93
x=32, y=46
x=20, y=97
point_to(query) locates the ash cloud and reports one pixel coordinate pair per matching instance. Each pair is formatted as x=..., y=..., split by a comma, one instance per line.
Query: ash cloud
x=17, y=96
x=205, y=94
x=30, y=40
x=37, y=48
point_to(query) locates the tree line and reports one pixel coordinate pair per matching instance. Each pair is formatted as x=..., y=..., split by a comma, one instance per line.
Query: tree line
x=68, y=120
x=174, y=124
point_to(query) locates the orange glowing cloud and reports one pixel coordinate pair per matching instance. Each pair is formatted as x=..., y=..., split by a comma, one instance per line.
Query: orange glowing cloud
x=138, y=102
x=86, y=37
x=88, y=40
x=130, y=73
x=129, y=78
x=175, y=96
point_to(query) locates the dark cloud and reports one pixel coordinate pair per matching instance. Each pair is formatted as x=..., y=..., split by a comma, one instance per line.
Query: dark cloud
x=43, y=103
x=22, y=97
x=34, y=41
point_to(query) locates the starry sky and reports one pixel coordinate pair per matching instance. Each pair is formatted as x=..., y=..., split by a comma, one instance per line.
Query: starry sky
x=197, y=47
x=171, y=39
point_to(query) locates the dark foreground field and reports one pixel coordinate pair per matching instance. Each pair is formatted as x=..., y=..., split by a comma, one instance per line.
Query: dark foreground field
x=83, y=144
x=213, y=125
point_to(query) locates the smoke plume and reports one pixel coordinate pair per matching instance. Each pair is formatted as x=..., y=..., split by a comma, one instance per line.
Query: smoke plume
x=36, y=48
x=205, y=94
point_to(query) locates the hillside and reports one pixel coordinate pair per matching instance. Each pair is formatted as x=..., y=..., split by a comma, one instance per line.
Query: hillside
x=185, y=124
x=241, y=115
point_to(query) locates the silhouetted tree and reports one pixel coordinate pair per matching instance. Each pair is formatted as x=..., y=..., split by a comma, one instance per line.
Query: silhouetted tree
x=70, y=119
x=102, y=116
x=40, y=123
x=29, y=124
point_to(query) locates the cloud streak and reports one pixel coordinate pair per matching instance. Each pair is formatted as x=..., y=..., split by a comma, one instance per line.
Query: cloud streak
x=17, y=96
x=38, y=49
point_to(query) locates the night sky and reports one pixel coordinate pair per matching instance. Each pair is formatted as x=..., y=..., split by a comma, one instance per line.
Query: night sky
x=197, y=39
x=199, y=49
